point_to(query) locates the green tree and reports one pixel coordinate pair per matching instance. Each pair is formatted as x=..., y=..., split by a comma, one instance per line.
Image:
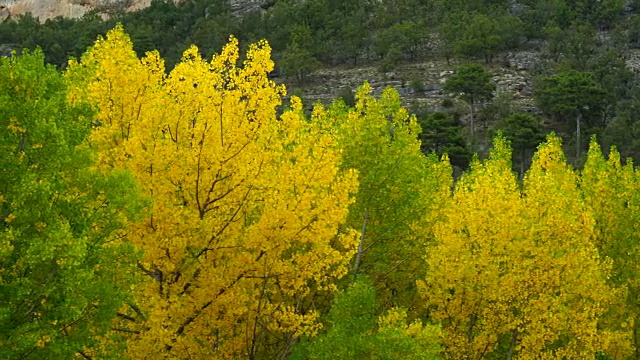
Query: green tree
x=64, y=267
x=475, y=34
x=388, y=13
x=539, y=14
x=563, y=13
x=572, y=94
x=212, y=31
x=352, y=33
x=298, y=59
x=391, y=59
x=400, y=190
x=473, y=85
x=283, y=16
x=487, y=35
x=406, y=36
x=443, y=7
x=356, y=332
x=633, y=31
x=624, y=129
x=611, y=72
x=449, y=31
x=442, y=134
x=608, y=13
x=524, y=133
x=574, y=47
x=298, y=62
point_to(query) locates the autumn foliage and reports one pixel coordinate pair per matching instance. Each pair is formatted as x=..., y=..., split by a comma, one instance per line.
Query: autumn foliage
x=246, y=206
x=516, y=270
x=212, y=222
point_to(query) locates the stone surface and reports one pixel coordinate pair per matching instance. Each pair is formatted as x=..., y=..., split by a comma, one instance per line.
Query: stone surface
x=47, y=9
x=4, y=13
x=5, y=50
x=241, y=7
x=523, y=60
x=633, y=60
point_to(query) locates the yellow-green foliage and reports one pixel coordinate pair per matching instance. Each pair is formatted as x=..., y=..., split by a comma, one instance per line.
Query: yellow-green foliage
x=516, y=271
x=612, y=191
x=254, y=215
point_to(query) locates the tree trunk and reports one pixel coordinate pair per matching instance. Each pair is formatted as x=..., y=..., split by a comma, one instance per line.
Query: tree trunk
x=473, y=128
x=514, y=337
x=578, y=123
x=635, y=339
x=473, y=318
x=361, y=244
x=523, y=154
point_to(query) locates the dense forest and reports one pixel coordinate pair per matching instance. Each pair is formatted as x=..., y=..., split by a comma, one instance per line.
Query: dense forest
x=162, y=195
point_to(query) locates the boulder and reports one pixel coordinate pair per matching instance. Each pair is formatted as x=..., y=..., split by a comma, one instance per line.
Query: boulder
x=4, y=13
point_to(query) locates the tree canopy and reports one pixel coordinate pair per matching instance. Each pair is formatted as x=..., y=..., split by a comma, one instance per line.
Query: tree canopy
x=472, y=84
x=199, y=212
x=65, y=269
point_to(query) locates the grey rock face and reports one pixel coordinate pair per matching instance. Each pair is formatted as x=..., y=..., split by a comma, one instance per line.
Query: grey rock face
x=242, y=7
x=4, y=13
x=5, y=50
x=47, y=9
x=523, y=60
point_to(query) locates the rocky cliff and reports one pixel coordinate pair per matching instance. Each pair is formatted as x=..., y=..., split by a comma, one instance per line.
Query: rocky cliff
x=47, y=9
x=241, y=7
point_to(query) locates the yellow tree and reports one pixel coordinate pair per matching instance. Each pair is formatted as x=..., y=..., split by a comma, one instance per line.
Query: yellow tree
x=475, y=244
x=516, y=273
x=242, y=230
x=612, y=191
x=570, y=273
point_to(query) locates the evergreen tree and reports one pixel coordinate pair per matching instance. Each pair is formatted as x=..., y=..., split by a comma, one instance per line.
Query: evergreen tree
x=572, y=94
x=442, y=134
x=473, y=85
x=524, y=133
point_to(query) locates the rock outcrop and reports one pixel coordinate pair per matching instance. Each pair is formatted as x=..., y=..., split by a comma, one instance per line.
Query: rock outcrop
x=4, y=13
x=242, y=7
x=47, y=9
